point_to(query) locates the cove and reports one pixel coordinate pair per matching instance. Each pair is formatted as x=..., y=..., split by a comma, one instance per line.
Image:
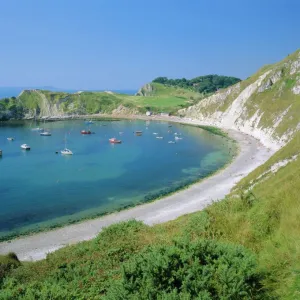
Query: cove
x=40, y=189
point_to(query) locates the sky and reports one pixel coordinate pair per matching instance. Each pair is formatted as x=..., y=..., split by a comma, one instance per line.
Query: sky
x=123, y=44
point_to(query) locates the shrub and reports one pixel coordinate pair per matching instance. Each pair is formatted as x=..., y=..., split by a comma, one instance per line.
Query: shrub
x=184, y=270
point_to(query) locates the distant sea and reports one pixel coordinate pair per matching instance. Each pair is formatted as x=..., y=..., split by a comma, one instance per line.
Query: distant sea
x=15, y=91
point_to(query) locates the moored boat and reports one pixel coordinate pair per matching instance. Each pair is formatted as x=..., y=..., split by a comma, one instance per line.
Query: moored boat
x=25, y=147
x=66, y=151
x=10, y=138
x=37, y=129
x=85, y=132
x=159, y=137
x=138, y=132
x=45, y=133
x=0, y=152
x=115, y=141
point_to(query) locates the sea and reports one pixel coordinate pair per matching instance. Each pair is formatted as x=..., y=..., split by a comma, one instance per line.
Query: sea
x=42, y=189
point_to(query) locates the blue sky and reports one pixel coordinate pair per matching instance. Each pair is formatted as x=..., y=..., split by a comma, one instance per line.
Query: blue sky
x=122, y=44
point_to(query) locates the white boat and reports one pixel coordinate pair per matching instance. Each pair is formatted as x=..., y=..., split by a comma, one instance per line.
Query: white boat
x=155, y=133
x=25, y=147
x=37, y=129
x=159, y=137
x=10, y=138
x=45, y=133
x=171, y=142
x=66, y=152
x=178, y=138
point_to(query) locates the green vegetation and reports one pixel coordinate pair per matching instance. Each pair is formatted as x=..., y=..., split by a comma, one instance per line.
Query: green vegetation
x=133, y=261
x=202, y=84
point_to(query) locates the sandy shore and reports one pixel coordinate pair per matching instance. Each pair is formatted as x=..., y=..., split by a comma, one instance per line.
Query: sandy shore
x=198, y=196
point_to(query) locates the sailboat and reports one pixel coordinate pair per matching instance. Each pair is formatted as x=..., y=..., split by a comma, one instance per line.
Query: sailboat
x=36, y=128
x=45, y=132
x=66, y=151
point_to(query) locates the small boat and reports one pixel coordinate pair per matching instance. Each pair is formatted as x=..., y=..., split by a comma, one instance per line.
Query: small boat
x=0, y=152
x=178, y=138
x=177, y=133
x=138, y=132
x=66, y=151
x=171, y=142
x=45, y=133
x=155, y=133
x=25, y=147
x=85, y=132
x=115, y=141
x=37, y=129
x=10, y=138
x=159, y=137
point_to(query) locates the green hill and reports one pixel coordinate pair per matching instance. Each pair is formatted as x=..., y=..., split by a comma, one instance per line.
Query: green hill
x=246, y=246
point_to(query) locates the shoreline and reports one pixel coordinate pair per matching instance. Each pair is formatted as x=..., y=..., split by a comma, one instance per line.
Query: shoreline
x=195, y=197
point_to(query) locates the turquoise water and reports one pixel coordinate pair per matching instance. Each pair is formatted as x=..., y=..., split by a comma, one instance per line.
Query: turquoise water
x=39, y=188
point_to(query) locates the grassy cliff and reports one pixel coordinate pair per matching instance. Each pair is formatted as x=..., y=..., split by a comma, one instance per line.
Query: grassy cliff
x=42, y=103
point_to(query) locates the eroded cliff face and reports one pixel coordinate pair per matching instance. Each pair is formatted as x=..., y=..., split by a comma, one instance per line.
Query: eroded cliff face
x=47, y=104
x=266, y=105
x=146, y=90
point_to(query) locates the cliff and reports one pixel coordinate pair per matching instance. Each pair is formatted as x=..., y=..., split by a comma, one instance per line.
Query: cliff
x=266, y=105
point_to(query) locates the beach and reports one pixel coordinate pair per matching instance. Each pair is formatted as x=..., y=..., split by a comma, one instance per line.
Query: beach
x=251, y=154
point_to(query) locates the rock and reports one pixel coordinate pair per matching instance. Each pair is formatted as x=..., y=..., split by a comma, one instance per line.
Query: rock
x=295, y=66
x=270, y=81
x=145, y=90
x=296, y=88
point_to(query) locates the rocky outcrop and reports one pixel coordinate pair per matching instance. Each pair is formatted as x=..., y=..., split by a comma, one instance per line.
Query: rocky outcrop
x=270, y=81
x=146, y=90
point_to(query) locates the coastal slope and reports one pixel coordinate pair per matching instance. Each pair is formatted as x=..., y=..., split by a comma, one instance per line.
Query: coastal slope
x=266, y=105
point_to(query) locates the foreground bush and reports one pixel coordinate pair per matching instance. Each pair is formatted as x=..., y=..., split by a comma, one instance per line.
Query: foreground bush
x=190, y=270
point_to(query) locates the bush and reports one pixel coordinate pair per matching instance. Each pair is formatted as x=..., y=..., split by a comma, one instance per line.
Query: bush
x=184, y=270
x=7, y=263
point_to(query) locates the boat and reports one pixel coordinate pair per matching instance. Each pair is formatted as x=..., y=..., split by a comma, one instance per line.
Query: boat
x=45, y=133
x=171, y=142
x=85, y=132
x=0, y=152
x=37, y=129
x=155, y=133
x=25, y=147
x=89, y=122
x=66, y=151
x=178, y=138
x=138, y=132
x=115, y=141
x=10, y=138
x=159, y=137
